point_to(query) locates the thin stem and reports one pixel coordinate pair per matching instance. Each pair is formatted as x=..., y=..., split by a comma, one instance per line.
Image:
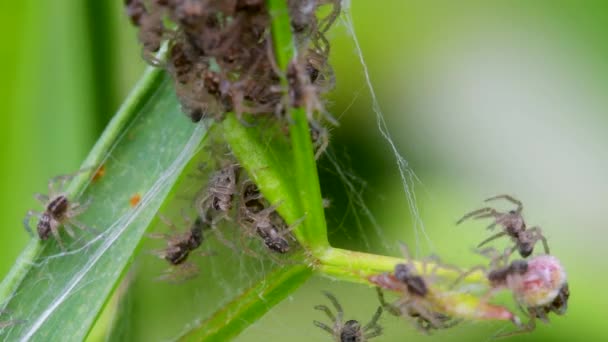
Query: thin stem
x=358, y=267
x=314, y=228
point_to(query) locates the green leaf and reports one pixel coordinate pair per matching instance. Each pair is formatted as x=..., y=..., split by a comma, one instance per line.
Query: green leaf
x=143, y=150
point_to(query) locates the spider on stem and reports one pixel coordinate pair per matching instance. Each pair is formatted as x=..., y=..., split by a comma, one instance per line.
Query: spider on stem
x=351, y=330
x=416, y=301
x=258, y=218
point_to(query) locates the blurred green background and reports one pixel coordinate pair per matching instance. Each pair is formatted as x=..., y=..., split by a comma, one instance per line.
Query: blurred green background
x=481, y=98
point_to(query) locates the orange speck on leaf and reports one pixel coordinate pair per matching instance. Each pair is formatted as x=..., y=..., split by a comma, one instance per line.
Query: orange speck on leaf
x=134, y=200
x=100, y=172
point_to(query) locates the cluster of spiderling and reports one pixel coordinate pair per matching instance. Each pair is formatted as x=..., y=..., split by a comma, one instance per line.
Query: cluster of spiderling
x=432, y=300
x=231, y=196
x=221, y=57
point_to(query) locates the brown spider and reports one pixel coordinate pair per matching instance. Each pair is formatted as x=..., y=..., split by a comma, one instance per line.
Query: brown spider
x=256, y=216
x=59, y=211
x=215, y=202
x=415, y=302
x=351, y=330
x=513, y=226
x=179, y=247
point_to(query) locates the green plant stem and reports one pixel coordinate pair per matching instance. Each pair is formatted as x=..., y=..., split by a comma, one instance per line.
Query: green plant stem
x=358, y=267
x=245, y=309
x=314, y=227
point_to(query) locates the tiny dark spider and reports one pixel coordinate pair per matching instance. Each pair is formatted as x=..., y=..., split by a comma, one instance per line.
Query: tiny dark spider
x=256, y=216
x=416, y=301
x=513, y=225
x=351, y=330
x=180, y=246
x=59, y=211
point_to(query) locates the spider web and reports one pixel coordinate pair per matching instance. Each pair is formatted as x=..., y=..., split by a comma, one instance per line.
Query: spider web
x=224, y=274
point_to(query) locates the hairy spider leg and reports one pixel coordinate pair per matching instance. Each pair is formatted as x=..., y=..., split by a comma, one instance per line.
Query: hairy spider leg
x=28, y=218
x=482, y=211
x=538, y=235
x=493, y=237
x=373, y=323
x=509, y=198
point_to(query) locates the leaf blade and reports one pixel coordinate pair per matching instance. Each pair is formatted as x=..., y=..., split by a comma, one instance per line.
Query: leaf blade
x=143, y=150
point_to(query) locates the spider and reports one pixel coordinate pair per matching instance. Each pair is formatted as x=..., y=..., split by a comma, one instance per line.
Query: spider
x=416, y=301
x=179, y=247
x=215, y=203
x=513, y=226
x=59, y=211
x=218, y=197
x=538, y=285
x=351, y=330
x=256, y=216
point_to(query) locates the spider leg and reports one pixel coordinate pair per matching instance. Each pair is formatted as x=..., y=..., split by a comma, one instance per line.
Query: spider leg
x=55, y=233
x=220, y=236
x=392, y=309
x=180, y=273
x=376, y=331
x=509, y=198
x=168, y=223
x=493, y=237
x=324, y=137
x=425, y=314
x=42, y=198
x=538, y=235
x=463, y=275
x=336, y=304
x=69, y=230
x=328, y=312
x=477, y=212
x=82, y=226
x=292, y=227
x=62, y=180
x=159, y=236
x=77, y=208
x=28, y=218
x=530, y=326
x=374, y=321
x=323, y=326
